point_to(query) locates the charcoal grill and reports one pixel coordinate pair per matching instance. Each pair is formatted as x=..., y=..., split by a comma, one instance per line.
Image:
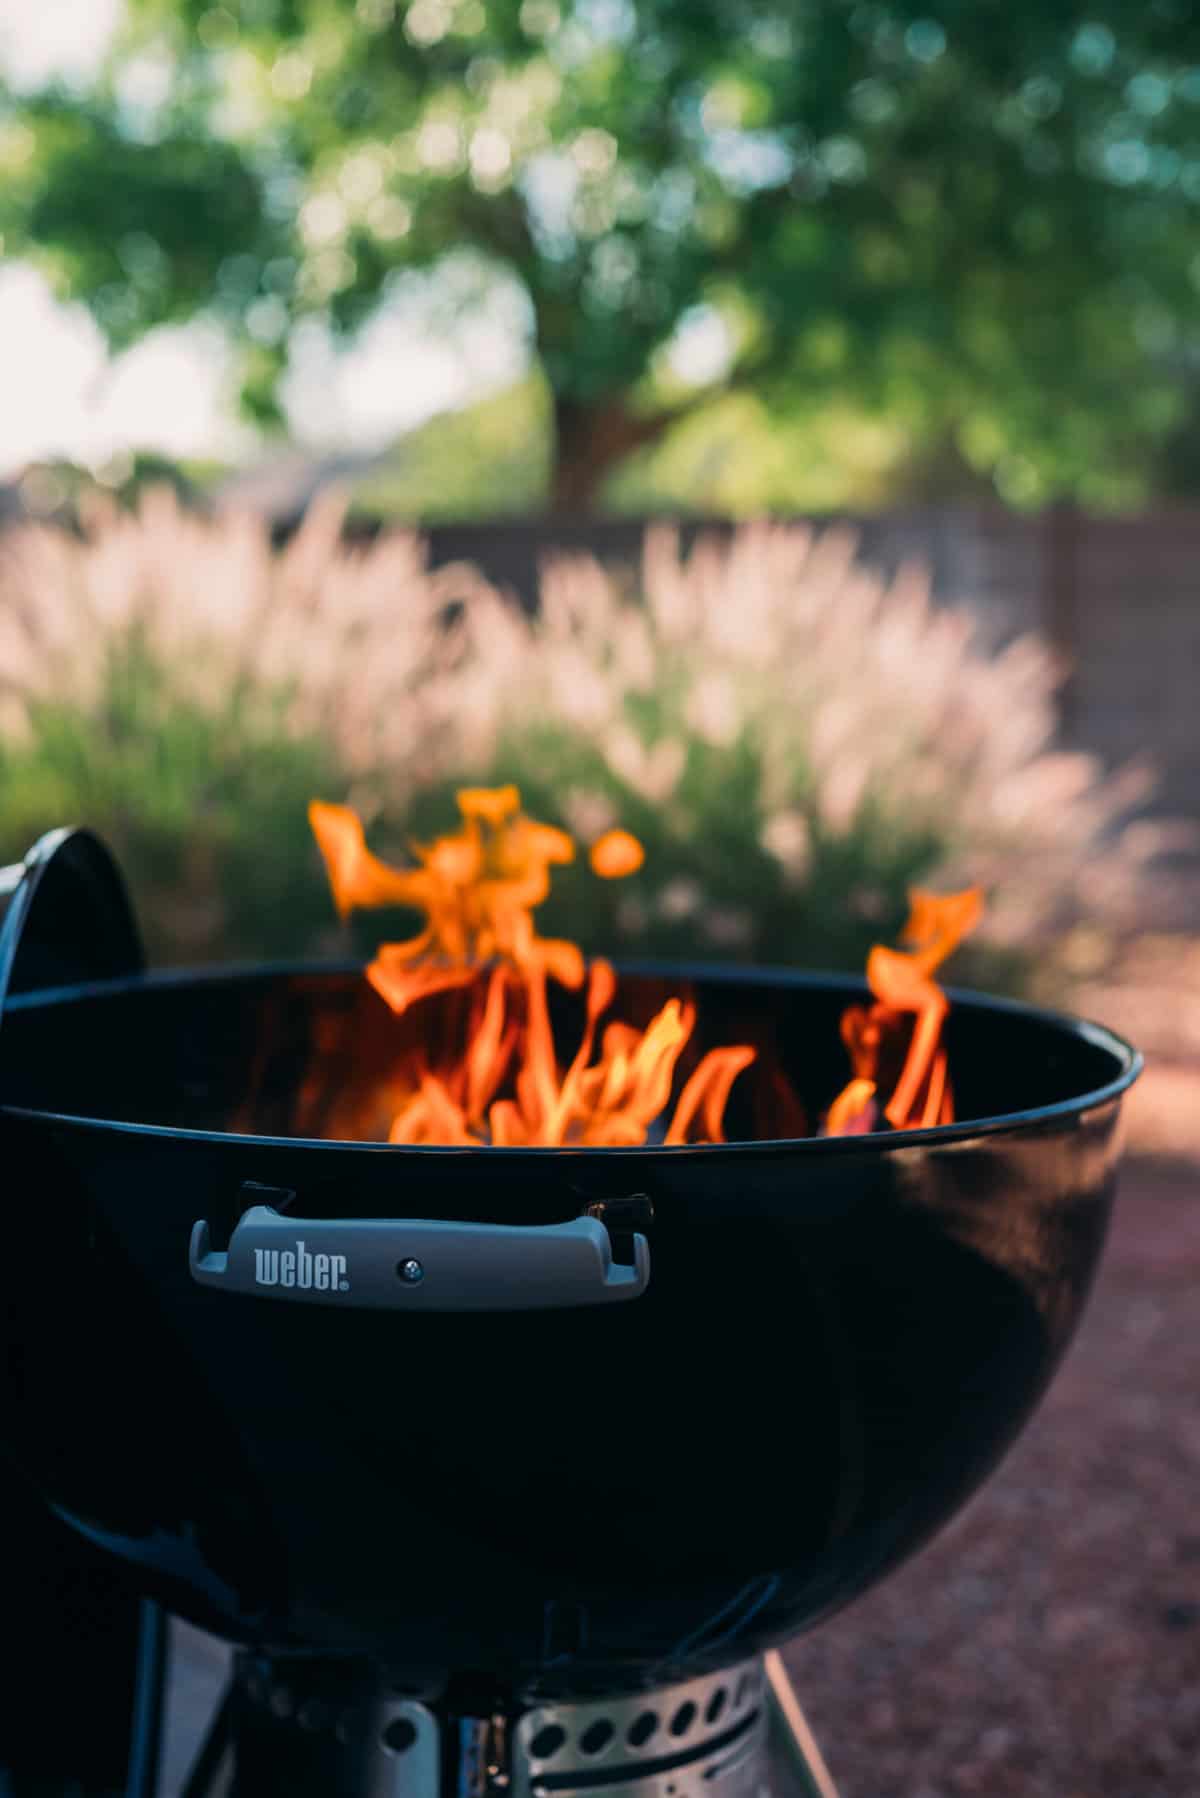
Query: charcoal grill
x=504, y=1468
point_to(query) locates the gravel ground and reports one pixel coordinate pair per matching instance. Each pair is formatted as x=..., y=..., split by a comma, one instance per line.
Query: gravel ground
x=1047, y=1645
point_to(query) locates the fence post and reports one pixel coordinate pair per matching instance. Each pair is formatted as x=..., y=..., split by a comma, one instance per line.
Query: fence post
x=1059, y=600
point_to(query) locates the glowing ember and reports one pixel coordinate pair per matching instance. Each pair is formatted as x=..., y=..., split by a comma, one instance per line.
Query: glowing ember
x=903, y=1029
x=616, y=854
x=478, y=889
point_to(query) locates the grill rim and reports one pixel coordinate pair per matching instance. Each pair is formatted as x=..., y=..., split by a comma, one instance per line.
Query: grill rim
x=1097, y=1036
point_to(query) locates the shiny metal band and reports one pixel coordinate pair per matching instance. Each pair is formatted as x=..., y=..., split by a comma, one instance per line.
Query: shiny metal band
x=699, y=1738
x=309, y=1726
x=304, y=1725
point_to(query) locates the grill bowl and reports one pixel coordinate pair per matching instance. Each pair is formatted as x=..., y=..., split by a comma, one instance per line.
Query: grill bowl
x=838, y=1340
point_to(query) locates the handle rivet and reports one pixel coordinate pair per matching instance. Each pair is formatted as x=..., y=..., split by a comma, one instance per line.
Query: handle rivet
x=411, y=1271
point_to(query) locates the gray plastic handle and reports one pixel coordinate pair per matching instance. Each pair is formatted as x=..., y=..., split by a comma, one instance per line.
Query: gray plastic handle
x=419, y=1264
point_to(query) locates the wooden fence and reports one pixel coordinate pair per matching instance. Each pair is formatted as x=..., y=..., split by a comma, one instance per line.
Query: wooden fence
x=1120, y=597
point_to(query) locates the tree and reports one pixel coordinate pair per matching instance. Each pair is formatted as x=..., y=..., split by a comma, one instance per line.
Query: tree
x=982, y=221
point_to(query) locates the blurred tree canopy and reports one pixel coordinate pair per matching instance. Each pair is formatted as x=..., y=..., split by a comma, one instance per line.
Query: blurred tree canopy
x=979, y=224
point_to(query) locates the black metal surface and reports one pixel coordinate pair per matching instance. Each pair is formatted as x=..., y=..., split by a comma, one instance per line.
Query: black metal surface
x=78, y=1648
x=65, y=917
x=72, y=1650
x=839, y=1339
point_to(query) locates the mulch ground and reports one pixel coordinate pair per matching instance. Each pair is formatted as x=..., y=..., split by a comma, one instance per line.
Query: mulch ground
x=1047, y=1645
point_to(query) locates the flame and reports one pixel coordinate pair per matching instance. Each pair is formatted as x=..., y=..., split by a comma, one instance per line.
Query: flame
x=478, y=888
x=616, y=854
x=904, y=1024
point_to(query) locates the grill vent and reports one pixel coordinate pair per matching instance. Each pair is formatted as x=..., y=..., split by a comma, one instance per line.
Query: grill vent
x=701, y=1738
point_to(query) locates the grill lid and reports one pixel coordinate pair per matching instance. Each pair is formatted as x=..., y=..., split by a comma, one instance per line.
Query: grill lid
x=66, y=917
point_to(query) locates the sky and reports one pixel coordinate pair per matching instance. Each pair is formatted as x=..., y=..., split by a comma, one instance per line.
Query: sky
x=64, y=396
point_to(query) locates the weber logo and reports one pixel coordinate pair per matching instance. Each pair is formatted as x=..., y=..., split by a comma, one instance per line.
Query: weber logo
x=297, y=1267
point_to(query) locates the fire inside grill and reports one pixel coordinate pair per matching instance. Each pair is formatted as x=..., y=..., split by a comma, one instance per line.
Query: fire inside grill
x=479, y=1457
x=507, y=1086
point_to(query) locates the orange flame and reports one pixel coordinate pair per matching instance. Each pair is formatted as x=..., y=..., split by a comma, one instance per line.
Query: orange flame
x=904, y=988
x=616, y=854
x=478, y=888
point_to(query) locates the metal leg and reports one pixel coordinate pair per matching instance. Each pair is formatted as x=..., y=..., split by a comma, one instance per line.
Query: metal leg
x=212, y=1767
x=792, y=1741
x=145, y=1744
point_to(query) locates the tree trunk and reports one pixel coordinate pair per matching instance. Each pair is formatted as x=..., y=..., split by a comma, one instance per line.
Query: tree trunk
x=591, y=441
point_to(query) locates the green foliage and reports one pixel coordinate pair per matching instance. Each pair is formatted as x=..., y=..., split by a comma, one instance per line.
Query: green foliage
x=204, y=806
x=734, y=458
x=487, y=461
x=979, y=227
x=794, y=741
x=66, y=490
x=709, y=888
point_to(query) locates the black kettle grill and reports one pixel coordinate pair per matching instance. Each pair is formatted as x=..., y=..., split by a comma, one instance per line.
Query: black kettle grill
x=501, y=1467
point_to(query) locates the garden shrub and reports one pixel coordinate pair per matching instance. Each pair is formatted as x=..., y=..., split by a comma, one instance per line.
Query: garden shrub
x=795, y=740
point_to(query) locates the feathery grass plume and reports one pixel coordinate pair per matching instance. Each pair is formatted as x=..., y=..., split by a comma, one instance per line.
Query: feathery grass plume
x=795, y=740
x=182, y=685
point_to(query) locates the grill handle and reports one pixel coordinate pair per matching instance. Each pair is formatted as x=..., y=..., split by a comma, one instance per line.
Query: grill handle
x=418, y=1264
